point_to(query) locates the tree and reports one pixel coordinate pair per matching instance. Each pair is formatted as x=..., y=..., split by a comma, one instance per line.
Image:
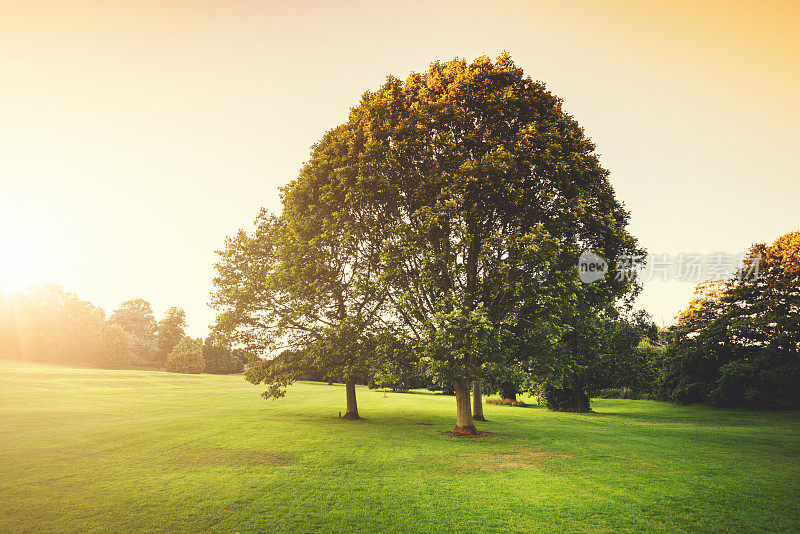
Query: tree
x=397, y=366
x=169, y=331
x=55, y=325
x=47, y=323
x=136, y=318
x=186, y=357
x=738, y=342
x=631, y=354
x=219, y=358
x=454, y=206
x=116, y=346
x=492, y=191
x=306, y=283
x=509, y=381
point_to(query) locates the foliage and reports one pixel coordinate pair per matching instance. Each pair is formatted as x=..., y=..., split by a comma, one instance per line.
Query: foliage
x=135, y=316
x=47, y=323
x=451, y=208
x=116, y=347
x=219, y=358
x=738, y=343
x=609, y=350
x=397, y=366
x=505, y=401
x=566, y=397
x=617, y=393
x=186, y=357
x=632, y=354
x=169, y=331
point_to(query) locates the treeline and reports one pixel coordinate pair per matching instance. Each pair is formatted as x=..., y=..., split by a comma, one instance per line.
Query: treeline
x=738, y=342
x=48, y=324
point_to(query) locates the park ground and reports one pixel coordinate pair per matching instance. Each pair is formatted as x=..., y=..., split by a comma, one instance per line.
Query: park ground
x=96, y=450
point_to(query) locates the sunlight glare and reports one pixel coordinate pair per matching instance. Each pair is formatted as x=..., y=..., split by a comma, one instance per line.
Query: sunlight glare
x=21, y=260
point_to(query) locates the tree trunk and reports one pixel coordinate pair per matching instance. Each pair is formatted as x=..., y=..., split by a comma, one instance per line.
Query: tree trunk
x=477, y=401
x=464, y=423
x=352, y=406
x=580, y=401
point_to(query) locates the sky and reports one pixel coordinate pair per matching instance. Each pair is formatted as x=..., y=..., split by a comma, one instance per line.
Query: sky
x=135, y=136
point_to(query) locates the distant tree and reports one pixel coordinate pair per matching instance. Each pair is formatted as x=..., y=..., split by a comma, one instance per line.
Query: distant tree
x=136, y=318
x=55, y=325
x=696, y=343
x=116, y=346
x=738, y=343
x=508, y=381
x=631, y=354
x=47, y=323
x=186, y=357
x=219, y=358
x=169, y=331
x=397, y=366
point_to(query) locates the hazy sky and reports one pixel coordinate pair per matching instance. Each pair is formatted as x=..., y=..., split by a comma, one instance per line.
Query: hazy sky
x=136, y=135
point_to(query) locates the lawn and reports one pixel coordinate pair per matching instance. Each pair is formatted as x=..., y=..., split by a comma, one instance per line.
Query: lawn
x=94, y=450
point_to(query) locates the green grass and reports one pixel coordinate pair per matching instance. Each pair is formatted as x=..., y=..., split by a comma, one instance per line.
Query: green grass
x=85, y=450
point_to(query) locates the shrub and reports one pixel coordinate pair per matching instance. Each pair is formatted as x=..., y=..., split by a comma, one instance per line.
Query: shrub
x=566, y=399
x=505, y=402
x=623, y=393
x=186, y=357
x=617, y=393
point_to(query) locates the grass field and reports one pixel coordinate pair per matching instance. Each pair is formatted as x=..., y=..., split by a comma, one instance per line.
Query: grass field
x=85, y=450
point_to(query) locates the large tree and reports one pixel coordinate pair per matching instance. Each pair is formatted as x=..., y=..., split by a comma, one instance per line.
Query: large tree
x=493, y=191
x=462, y=197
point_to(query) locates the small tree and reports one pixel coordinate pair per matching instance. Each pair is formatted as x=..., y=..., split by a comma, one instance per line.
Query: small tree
x=169, y=331
x=186, y=357
x=136, y=318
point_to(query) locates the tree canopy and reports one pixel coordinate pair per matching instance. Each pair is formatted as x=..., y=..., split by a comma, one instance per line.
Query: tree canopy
x=452, y=207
